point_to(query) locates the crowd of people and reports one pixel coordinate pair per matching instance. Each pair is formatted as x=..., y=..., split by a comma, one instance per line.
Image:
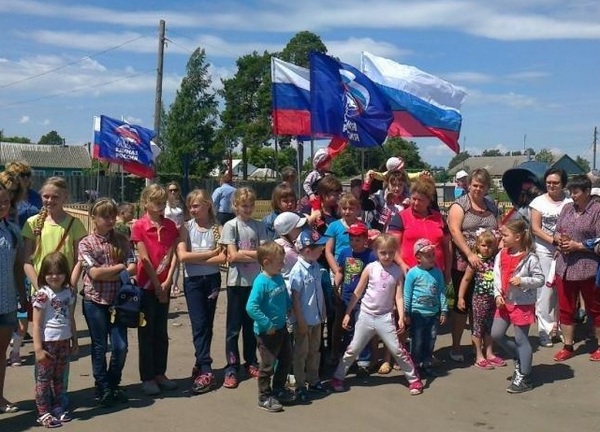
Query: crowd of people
x=313, y=288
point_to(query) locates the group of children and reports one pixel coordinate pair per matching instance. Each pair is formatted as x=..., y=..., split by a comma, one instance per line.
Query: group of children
x=291, y=280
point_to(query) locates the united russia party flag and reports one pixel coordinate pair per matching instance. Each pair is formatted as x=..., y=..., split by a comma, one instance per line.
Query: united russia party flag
x=423, y=104
x=345, y=104
x=291, y=98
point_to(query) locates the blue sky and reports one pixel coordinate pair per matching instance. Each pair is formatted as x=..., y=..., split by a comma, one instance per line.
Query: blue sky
x=530, y=67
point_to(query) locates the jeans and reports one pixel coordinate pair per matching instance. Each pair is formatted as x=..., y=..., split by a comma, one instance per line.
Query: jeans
x=97, y=317
x=275, y=350
x=153, y=338
x=201, y=310
x=383, y=326
x=238, y=319
x=423, y=331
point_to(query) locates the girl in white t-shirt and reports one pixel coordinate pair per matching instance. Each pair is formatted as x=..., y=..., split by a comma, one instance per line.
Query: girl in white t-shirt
x=54, y=337
x=381, y=282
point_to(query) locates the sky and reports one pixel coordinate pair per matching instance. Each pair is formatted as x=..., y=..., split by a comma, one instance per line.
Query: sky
x=530, y=67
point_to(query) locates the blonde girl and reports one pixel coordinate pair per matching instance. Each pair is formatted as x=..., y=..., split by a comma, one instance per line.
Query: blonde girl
x=54, y=337
x=517, y=276
x=482, y=302
x=155, y=238
x=104, y=255
x=381, y=283
x=201, y=254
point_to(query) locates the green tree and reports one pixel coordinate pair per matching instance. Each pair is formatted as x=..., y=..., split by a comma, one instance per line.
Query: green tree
x=458, y=158
x=347, y=164
x=544, y=155
x=297, y=50
x=189, y=127
x=52, y=138
x=583, y=163
x=492, y=152
x=16, y=139
x=246, y=119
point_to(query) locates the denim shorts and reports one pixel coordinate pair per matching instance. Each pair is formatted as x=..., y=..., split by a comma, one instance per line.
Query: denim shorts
x=8, y=319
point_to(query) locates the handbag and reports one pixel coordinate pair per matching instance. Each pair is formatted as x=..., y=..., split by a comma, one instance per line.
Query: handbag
x=126, y=309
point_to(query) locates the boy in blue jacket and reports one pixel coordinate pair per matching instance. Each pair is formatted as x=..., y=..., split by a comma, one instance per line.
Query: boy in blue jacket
x=268, y=305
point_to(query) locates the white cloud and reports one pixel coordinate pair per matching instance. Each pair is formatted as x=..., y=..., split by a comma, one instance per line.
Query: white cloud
x=467, y=77
x=527, y=75
x=510, y=99
x=46, y=122
x=349, y=50
x=24, y=119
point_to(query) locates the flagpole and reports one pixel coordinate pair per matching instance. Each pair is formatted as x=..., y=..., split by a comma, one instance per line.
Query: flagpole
x=122, y=185
x=362, y=164
x=276, y=164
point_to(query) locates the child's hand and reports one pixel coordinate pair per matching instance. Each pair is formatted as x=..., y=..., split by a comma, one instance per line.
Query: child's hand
x=337, y=279
x=43, y=356
x=370, y=176
x=346, y=322
x=515, y=281
x=401, y=325
x=443, y=319
x=461, y=304
x=500, y=302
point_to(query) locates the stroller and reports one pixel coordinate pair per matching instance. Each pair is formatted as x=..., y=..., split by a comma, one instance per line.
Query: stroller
x=522, y=184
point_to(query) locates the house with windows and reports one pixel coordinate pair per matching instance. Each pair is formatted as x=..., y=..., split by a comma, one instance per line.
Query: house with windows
x=47, y=160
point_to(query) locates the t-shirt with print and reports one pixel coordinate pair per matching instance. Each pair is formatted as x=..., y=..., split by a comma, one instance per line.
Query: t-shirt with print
x=246, y=235
x=549, y=210
x=352, y=265
x=10, y=241
x=425, y=291
x=51, y=236
x=55, y=307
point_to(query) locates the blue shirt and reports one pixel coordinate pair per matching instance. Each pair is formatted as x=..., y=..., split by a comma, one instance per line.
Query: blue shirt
x=425, y=291
x=458, y=192
x=352, y=264
x=269, y=221
x=305, y=278
x=337, y=231
x=268, y=303
x=222, y=198
x=34, y=198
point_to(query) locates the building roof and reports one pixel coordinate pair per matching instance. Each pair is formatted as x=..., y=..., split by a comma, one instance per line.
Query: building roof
x=46, y=156
x=260, y=173
x=496, y=165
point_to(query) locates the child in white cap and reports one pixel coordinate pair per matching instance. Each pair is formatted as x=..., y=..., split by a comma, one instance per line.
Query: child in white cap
x=322, y=165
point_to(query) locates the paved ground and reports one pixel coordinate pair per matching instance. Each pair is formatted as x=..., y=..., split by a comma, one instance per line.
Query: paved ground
x=464, y=399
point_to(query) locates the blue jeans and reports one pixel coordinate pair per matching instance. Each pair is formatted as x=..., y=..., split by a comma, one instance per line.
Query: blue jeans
x=201, y=310
x=97, y=317
x=238, y=319
x=423, y=332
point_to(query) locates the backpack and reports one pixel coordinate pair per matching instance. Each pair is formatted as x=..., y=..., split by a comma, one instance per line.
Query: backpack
x=126, y=309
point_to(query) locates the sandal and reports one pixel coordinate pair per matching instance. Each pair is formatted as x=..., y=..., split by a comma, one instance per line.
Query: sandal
x=49, y=421
x=9, y=408
x=484, y=364
x=175, y=291
x=496, y=361
x=384, y=369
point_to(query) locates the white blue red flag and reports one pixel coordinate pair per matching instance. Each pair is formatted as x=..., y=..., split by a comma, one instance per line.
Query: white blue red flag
x=423, y=104
x=291, y=98
x=124, y=144
x=345, y=104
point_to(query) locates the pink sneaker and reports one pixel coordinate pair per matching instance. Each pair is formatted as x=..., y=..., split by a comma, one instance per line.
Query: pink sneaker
x=337, y=385
x=415, y=388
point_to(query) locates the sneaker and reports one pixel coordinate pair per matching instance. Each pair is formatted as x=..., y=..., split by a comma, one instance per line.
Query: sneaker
x=106, y=398
x=204, y=383
x=63, y=417
x=595, y=356
x=496, y=361
x=520, y=384
x=15, y=358
x=150, y=388
x=564, y=354
x=546, y=341
x=457, y=356
x=415, y=388
x=165, y=383
x=231, y=381
x=284, y=396
x=252, y=370
x=302, y=395
x=363, y=372
x=119, y=396
x=337, y=385
x=49, y=421
x=318, y=387
x=270, y=404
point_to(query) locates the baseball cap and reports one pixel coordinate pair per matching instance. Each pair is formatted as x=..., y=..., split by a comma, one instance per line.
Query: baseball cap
x=421, y=244
x=321, y=156
x=461, y=174
x=357, y=229
x=286, y=222
x=309, y=237
x=394, y=164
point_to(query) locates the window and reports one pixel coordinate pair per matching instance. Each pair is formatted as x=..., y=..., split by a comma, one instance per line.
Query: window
x=76, y=173
x=38, y=173
x=59, y=173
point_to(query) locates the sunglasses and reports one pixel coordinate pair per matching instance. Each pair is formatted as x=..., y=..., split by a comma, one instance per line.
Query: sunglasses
x=173, y=190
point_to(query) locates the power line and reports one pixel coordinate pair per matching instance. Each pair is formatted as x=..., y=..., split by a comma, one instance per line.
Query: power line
x=29, y=78
x=75, y=90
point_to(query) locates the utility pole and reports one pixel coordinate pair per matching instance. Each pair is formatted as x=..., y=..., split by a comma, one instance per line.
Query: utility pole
x=594, y=148
x=159, y=81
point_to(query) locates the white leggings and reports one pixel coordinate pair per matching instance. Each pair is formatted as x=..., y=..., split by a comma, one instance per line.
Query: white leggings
x=545, y=306
x=383, y=326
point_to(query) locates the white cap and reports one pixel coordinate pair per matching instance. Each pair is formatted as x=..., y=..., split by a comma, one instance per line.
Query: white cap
x=320, y=156
x=461, y=174
x=595, y=192
x=286, y=222
x=394, y=164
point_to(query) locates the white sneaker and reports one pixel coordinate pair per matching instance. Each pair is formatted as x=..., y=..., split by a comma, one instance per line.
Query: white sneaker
x=15, y=358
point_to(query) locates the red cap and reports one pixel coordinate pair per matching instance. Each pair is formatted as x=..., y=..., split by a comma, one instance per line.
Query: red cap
x=358, y=229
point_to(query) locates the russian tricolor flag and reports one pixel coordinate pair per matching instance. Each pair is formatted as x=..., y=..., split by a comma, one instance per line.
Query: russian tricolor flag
x=291, y=98
x=423, y=105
